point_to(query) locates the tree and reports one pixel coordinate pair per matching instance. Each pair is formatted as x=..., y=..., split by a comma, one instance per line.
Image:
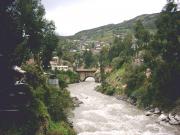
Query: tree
x=11, y=32
x=50, y=42
x=167, y=48
x=88, y=59
x=142, y=35
x=115, y=49
x=24, y=29
x=168, y=32
x=121, y=50
x=103, y=61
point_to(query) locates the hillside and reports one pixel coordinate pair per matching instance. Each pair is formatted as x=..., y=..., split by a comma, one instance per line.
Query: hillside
x=105, y=33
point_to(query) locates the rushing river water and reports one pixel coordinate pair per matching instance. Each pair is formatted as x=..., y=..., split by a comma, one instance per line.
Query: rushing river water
x=104, y=115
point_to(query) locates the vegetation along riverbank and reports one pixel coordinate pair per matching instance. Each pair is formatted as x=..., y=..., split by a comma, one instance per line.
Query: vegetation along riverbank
x=146, y=70
x=29, y=105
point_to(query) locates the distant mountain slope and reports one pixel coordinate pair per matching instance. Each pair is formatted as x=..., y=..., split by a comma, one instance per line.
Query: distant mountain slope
x=105, y=33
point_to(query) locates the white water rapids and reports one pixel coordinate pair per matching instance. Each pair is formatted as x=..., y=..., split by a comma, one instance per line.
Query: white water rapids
x=104, y=115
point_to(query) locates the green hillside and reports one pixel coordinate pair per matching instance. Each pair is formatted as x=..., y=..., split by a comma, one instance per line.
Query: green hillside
x=105, y=33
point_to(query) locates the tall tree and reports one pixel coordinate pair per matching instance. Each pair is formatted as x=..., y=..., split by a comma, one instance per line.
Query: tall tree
x=142, y=35
x=88, y=59
x=50, y=42
x=167, y=72
x=22, y=29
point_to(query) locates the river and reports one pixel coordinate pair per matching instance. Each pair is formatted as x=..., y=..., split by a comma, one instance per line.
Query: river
x=105, y=115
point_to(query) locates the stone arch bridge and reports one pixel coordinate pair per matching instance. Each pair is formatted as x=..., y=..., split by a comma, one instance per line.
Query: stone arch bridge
x=85, y=73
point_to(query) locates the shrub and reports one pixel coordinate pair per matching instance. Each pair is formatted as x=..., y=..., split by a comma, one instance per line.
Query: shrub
x=110, y=91
x=134, y=78
x=67, y=77
x=61, y=128
x=107, y=89
x=48, y=103
x=117, y=62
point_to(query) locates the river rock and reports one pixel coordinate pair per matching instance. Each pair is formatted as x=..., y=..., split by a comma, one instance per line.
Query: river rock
x=148, y=113
x=121, y=97
x=76, y=101
x=177, y=117
x=80, y=102
x=157, y=111
x=172, y=119
x=163, y=117
x=171, y=116
x=151, y=110
x=174, y=122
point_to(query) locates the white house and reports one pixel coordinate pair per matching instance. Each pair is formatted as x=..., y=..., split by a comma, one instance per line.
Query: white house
x=60, y=68
x=56, y=66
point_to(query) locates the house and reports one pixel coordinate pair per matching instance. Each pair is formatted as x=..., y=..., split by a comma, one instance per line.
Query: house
x=60, y=67
x=55, y=65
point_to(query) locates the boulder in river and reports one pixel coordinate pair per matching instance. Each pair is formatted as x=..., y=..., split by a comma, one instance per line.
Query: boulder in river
x=76, y=101
x=163, y=117
x=173, y=120
x=171, y=116
x=157, y=111
x=148, y=113
x=151, y=110
x=177, y=117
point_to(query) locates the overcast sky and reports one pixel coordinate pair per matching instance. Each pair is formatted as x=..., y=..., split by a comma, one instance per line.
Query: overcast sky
x=71, y=16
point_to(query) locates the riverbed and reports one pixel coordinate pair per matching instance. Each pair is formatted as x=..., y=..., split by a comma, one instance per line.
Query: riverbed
x=105, y=115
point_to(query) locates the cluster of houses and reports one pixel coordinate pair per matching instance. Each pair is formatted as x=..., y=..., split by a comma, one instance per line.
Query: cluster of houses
x=94, y=46
x=56, y=65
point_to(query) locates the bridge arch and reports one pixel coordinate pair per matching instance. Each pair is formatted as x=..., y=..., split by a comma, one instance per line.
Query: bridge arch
x=90, y=79
x=85, y=73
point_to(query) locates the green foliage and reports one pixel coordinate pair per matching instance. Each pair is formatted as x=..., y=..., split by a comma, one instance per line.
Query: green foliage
x=60, y=129
x=35, y=75
x=142, y=35
x=117, y=62
x=106, y=89
x=103, y=61
x=110, y=91
x=58, y=103
x=116, y=48
x=25, y=32
x=166, y=72
x=161, y=54
x=134, y=78
x=48, y=103
x=121, y=51
x=89, y=59
x=50, y=42
x=107, y=32
x=66, y=77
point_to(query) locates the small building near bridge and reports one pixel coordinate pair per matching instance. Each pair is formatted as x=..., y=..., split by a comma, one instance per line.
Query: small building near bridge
x=55, y=65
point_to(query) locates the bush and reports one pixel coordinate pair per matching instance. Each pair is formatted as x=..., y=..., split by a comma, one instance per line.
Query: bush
x=107, y=89
x=110, y=91
x=48, y=103
x=59, y=101
x=61, y=128
x=117, y=62
x=134, y=78
x=55, y=133
x=67, y=77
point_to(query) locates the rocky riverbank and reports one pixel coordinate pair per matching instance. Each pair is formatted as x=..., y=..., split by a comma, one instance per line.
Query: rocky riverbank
x=76, y=102
x=172, y=118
